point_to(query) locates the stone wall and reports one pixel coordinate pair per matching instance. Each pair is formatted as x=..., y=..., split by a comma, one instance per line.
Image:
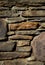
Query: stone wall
x=21, y=21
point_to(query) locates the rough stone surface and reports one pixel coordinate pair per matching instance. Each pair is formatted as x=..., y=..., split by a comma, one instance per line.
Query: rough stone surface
x=24, y=37
x=38, y=45
x=33, y=13
x=24, y=49
x=23, y=25
x=35, y=63
x=6, y=13
x=7, y=46
x=3, y=29
x=26, y=32
x=13, y=55
x=21, y=43
x=22, y=32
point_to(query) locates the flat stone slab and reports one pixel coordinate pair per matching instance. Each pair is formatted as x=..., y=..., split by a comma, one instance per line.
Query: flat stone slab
x=3, y=28
x=33, y=13
x=24, y=26
x=18, y=37
x=13, y=55
x=7, y=46
x=38, y=45
x=23, y=49
x=20, y=62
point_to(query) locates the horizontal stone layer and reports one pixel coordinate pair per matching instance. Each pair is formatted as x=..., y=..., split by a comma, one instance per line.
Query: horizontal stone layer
x=22, y=19
x=4, y=8
x=6, y=13
x=14, y=8
x=26, y=37
x=29, y=13
x=20, y=9
x=20, y=62
x=3, y=38
x=43, y=25
x=3, y=29
x=28, y=2
x=21, y=43
x=15, y=19
x=13, y=55
x=23, y=25
x=26, y=32
x=23, y=49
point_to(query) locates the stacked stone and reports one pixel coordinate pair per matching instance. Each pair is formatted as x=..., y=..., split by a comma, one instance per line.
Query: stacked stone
x=20, y=22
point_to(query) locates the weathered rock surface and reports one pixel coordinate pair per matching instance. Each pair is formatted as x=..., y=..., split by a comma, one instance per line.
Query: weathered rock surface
x=23, y=37
x=10, y=33
x=3, y=29
x=23, y=43
x=3, y=3
x=38, y=45
x=20, y=61
x=26, y=32
x=31, y=58
x=14, y=8
x=43, y=25
x=15, y=19
x=23, y=25
x=33, y=13
x=29, y=1
x=35, y=63
x=24, y=49
x=20, y=22
x=7, y=45
x=13, y=55
x=6, y=13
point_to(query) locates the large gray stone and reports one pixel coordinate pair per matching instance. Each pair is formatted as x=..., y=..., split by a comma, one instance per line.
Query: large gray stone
x=7, y=45
x=38, y=45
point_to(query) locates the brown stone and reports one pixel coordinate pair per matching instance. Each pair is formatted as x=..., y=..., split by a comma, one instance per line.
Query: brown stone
x=23, y=43
x=13, y=55
x=33, y=13
x=24, y=37
x=23, y=49
x=13, y=26
x=23, y=25
x=7, y=45
x=38, y=45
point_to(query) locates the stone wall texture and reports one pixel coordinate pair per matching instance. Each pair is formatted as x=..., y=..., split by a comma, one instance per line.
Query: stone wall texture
x=22, y=32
